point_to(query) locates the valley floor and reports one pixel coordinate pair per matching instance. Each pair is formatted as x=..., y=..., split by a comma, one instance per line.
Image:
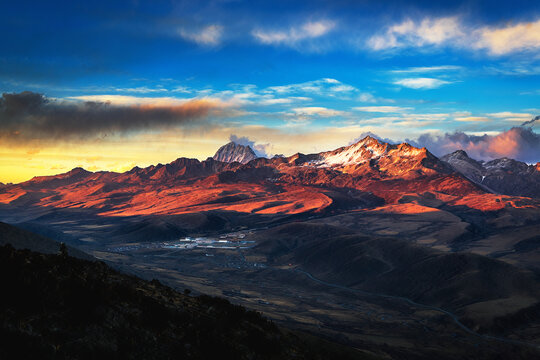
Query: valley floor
x=234, y=262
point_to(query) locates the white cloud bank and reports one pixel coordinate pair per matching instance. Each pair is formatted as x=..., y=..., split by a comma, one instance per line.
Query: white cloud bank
x=453, y=32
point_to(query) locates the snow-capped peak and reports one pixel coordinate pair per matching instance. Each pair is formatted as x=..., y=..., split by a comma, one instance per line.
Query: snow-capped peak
x=233, y=152
x=359, y=152
x=365, y=150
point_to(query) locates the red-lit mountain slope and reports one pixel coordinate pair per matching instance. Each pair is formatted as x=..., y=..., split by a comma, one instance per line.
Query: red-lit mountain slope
x=365, y=174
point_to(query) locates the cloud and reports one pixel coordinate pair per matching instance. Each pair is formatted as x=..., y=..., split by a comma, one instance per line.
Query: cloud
x=207, y=36
x=411, y=33
x=367, y=97
x=342, y=88
x=421, y=83
x=274, y=101
x=453, y=32
x=520, y=143
x=427, y=69
x=472, y=118
x=293, y=35
x=30, y=116
x=142, y=90
x=532, y=121
x=324, y=86
x=318, y=110
x=181, y=89
x=427, y=117
x=382, y=109
x=525, y=67
x=331, y=81
x=124, y=100
x=511, y=38
x=261, y=150
x=511, y=116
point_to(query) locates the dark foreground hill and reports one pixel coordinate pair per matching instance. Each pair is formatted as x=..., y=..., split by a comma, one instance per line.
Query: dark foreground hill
x=60, y=307
x=22, y=239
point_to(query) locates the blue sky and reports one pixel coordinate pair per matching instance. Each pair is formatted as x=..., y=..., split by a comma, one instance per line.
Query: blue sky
x=305, y=75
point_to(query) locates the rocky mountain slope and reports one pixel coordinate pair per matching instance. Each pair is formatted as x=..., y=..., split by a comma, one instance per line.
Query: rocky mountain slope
x=366, y=173
x=394, y=160
x=503, y=176
x=233, y=152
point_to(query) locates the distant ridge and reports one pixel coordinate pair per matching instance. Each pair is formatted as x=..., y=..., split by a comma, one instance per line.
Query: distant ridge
x=503, y=176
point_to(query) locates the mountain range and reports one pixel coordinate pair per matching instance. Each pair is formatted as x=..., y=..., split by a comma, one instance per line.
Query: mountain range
x=366, y=173
x=374, y=245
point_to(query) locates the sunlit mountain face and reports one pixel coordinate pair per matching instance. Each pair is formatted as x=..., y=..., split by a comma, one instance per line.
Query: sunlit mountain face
x=364, y=175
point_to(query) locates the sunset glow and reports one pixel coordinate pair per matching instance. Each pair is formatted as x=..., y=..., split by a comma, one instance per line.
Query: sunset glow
x=140, y=84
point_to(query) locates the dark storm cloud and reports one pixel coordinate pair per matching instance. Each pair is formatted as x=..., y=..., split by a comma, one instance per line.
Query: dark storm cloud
x=532, y=121
x=520, y=143
x=32, y=116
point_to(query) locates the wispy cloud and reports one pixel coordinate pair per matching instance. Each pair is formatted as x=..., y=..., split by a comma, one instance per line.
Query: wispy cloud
x=428, y=116
x=324, y=86
x=367, y=98
x=181, y=89
x=294, y=34
x=275, y=101
x=421, y=83
x=382, y=109
x=250, y=95
x=472, y=118
x=342, y=88
x=331, y=81
x=427, y=69
x=511, y=116
x=122, y=100
x=142, y=90
x=207, y=36
x=318, y=110
x=270, y=100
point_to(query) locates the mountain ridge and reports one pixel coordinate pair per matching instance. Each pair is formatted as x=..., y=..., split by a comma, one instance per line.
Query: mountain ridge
x=280, y=185
x=504, y=176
